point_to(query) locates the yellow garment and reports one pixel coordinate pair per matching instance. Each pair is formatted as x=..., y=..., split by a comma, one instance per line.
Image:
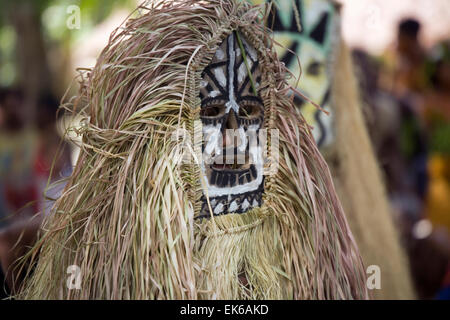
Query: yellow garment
x=438, y=197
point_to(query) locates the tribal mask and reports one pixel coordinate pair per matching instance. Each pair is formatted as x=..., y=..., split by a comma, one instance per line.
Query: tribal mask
x=232, y=115
x=129, y=207
x=310, y=38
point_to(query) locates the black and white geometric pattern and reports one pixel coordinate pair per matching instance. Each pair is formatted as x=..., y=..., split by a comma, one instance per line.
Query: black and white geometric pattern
x=230, y=100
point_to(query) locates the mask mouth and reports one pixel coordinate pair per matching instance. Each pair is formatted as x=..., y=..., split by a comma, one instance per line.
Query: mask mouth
x=231, y=160
x=230, y=167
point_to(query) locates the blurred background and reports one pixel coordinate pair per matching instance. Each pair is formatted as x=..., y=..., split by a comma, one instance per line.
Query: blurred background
x=401, y=53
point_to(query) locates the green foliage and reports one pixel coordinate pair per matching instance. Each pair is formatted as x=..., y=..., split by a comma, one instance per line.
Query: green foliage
x=440, y=139
x=7, y=43
x=54, y=16
x=92, y=12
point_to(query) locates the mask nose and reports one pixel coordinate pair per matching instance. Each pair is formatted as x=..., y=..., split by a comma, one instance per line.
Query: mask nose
x=230, y=133
x=231, y=122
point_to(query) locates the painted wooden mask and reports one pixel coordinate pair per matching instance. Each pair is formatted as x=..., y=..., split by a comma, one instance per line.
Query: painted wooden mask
x=232, y=114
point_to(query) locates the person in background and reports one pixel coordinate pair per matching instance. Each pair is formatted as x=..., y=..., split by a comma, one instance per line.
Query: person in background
x=50, y=163
x=17, y=149
x=18, y=190
x=437, y=119
x=408, y=114
x=410, y=62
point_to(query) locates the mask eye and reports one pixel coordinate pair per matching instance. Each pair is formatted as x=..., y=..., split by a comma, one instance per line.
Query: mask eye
x=314, y=69
x=212, y=111
x=250, y=111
